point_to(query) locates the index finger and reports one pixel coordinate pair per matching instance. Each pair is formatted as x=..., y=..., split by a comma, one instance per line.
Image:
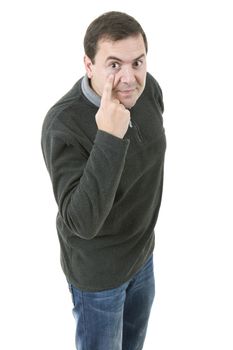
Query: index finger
x=107, y=90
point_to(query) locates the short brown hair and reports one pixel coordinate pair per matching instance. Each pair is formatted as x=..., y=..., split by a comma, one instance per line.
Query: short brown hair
x=111, y=25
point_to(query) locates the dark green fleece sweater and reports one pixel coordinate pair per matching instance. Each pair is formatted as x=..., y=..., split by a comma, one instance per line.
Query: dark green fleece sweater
x=108, y=190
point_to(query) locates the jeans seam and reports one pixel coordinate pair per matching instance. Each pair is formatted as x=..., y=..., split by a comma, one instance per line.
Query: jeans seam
x=84, y=321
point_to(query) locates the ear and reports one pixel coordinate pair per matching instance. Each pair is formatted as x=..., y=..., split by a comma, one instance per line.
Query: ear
x=88, y=66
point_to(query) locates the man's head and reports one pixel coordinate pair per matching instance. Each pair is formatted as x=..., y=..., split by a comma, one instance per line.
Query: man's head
x=115, y=43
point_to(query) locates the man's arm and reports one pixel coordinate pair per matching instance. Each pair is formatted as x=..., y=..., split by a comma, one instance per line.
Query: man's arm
x=85, y=188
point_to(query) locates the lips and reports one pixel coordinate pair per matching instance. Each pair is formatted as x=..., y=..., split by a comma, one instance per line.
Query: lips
x=126, y=92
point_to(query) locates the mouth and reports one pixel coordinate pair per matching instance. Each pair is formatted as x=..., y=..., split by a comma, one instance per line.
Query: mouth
x=127, y=92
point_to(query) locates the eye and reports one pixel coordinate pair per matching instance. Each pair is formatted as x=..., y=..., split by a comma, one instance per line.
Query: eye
x=137, y=63
x=115, y=65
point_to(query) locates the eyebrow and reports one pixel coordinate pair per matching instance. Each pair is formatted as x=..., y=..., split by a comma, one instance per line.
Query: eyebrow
x=110, y=58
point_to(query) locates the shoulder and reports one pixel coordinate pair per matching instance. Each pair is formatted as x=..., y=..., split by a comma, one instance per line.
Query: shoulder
x=153, y=89
x=61, y=115
x=152, y=83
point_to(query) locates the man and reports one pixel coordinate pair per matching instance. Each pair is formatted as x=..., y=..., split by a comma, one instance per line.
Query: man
x=104, y=144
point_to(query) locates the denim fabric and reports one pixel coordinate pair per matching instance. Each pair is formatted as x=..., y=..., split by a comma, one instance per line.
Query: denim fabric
x=115, y=319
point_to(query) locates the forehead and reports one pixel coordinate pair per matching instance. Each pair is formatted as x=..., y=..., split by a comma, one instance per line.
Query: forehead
x=128, y=48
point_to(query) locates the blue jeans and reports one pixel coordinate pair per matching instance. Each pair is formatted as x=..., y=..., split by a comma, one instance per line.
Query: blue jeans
x=115, y=319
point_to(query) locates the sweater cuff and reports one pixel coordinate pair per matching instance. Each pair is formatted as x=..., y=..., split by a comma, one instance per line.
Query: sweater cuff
x=104, y=138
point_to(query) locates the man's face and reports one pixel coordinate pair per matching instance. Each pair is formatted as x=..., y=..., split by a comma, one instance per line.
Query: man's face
x=126, y=59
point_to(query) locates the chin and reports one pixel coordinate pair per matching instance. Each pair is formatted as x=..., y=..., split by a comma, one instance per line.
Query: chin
x=128, y=104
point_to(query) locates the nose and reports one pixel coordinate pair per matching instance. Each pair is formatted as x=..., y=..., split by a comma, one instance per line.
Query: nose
x=127, y=75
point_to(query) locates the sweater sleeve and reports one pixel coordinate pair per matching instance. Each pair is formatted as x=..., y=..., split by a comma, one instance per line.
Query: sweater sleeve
x=85, y=187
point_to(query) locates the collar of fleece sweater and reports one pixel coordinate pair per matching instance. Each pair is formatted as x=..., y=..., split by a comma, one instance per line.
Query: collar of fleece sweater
x=89, y=93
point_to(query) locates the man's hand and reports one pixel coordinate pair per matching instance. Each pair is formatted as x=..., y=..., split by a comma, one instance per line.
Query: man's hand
x=112, y=116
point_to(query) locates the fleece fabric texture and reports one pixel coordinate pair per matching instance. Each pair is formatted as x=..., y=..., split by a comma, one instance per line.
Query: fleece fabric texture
x=108, y=190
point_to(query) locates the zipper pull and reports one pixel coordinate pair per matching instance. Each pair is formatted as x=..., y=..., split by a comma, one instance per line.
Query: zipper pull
x=130, y=124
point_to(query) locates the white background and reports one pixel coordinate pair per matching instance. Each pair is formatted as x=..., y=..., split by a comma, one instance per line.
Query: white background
x=190, y=54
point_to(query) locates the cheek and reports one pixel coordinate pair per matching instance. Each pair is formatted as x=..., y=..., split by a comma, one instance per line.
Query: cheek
x=142, y=77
